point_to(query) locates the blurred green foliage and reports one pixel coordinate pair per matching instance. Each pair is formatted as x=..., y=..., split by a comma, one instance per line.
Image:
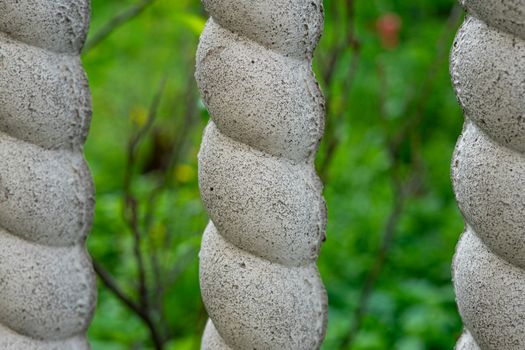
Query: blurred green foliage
x=392, y=118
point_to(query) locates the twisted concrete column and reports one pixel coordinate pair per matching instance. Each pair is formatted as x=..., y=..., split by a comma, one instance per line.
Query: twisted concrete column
x=259, y=280
x=47, y=288
x=488, y=69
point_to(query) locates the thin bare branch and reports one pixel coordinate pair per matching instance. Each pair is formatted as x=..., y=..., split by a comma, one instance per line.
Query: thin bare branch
x=403, y=190
x=112, y=285
x=130, y=202
x=131, y=216
x=334, y=117
x=116, y=22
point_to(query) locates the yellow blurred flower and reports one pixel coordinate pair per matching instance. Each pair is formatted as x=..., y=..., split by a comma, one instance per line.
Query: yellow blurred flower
x=184, y=173
x=138, y=116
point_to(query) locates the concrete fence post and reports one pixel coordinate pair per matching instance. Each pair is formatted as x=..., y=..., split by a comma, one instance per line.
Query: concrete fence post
x=258, y=273
x=47, y=286
x=488, y=171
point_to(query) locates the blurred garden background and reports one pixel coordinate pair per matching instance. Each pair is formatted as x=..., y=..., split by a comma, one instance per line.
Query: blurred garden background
x=392, y=124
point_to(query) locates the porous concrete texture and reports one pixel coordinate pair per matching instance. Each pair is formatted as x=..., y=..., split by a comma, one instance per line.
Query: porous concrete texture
x=55, y=25
x=11, y=340
x=466, y=342
x=47, y=285
x=258, y=273
x=488, y=172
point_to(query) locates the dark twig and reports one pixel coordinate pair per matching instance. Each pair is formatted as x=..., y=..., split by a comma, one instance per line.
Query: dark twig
x=138, y=216
x=175, y=154
x=402, y=190
x=131, y=217
x=116, y=22
x=130, y=202
x=350, y=40
x=176, y=149
x=146, y=308
x=333, y=116
x=111, y=284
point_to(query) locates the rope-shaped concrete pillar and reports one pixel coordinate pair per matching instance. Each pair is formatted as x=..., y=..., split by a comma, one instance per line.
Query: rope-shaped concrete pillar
x=488, y=70
x=47, y=288
x=258, y=273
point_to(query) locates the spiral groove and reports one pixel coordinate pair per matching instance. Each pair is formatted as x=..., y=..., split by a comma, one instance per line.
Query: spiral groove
x=47, y=287
x=488, y=171
x=258, y=273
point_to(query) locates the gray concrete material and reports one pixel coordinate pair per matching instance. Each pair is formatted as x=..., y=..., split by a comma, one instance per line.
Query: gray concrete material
x=44, y=96
x=258, y=276
x=276, y=307
x=46, y=196
x=488, y=172
x=466, y=342
x=259, y=97
x=489, y=182
x=488, y=70
x=505, y=15
x=290, y=27
x=264, y=205
x=56, y=25
x=490, y=294
x=47, y=292
x=10, y=340
x=47, y=284
x=211, y=340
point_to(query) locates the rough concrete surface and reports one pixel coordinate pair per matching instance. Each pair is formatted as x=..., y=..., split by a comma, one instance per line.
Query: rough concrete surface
x=12, y=341
x=47, y=285
x=258, y=273
x=488, y=172
x=466, y=342
x=212, y=340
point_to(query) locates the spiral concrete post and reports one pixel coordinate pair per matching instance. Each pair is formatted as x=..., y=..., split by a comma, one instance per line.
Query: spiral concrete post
x=258, y=273
x=47, y=287
x=488, y=170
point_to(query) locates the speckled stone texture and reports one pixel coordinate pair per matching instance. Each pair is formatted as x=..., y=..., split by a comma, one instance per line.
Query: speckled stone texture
x=47, y=285
x=466, y=342
x=488, y=172
x=258, y=273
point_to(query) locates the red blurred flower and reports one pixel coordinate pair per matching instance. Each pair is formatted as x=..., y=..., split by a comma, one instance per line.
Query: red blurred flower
x=388, y=27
